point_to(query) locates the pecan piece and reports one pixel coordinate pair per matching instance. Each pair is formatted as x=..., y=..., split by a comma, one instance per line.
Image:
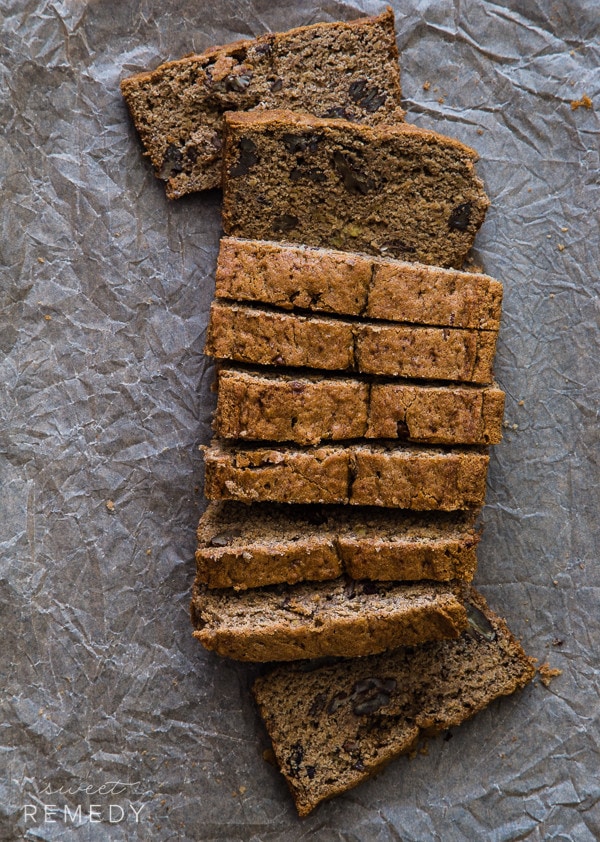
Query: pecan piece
x=460, y=217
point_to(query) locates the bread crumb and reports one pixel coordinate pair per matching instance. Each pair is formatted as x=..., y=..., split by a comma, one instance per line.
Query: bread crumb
x=584, y=102
x=547, y=673
x=41, y=260
x=521, y=403
x=48, y=317
x=110, y=505
x=561, y=247
x=564, y=230
x=480, y=131
x=426, y=86
x=551, y=295
x=242, y=790
x=441, y=100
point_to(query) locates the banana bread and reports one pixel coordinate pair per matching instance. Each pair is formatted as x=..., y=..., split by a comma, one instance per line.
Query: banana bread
x=398, y=191
x=394, y=476
x=334, y=726
x=309, y=409
x=347, y=69
x=318, y=619
x=305, y=278
x=250, y=334
x=241, y=546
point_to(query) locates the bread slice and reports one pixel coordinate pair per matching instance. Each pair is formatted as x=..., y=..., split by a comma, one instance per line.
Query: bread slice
x=398, y=191
x=346, y=69
x=331, y=281
x=310, y=409
x=310, y=620
x=274, y=337
x=334, y=726
x=241, y=546
x=395, y=476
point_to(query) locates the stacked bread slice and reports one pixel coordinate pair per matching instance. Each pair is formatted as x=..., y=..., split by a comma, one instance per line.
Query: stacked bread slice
x=292, y=427
x=355, y=395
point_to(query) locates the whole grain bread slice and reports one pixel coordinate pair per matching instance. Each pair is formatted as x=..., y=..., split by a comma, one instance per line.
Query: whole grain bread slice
x=316, y=619
x=254, y=335
x=379, y=474
x=305, y=409
x=334, y=726
x=327, y=280
x=241, y=546
x=344, y=69
x=398, y=190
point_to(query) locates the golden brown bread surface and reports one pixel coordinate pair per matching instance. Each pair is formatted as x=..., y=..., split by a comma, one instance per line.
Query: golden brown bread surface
x=241, y=546
x=254, y=335
x=334, y=726
x=303, y=409
x=341, y=618
x=343, y=69
x=389, y=475
x=330, y=281
x=393, y=190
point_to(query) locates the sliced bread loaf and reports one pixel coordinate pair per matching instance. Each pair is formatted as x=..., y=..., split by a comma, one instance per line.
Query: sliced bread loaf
x=346, y=69
x=396, y=476
x=309, y=409
x=334, y=726
x=311, y=620
x=330, y=281
x=243, y=546
x=274, y=337
x=396, y=190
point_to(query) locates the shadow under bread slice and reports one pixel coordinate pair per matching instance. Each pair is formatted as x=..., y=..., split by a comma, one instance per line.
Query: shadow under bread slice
x=316, y=619
x=307, y=409
x=380, y=474
x=342, y=69
x=254, y=335
x=301, y=277
x=243, y=546
x=334, y=726
x=394, y=190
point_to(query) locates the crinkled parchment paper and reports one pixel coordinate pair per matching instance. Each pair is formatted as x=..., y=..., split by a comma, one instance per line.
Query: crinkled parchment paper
x=115, y=723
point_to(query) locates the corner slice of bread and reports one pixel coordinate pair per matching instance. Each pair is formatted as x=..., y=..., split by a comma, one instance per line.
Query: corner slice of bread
x=334, y=726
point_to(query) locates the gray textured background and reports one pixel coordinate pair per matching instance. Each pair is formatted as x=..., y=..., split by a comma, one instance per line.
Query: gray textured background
x=105, y=397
